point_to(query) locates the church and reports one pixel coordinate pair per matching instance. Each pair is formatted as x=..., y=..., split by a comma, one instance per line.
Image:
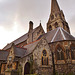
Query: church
x=40, y=53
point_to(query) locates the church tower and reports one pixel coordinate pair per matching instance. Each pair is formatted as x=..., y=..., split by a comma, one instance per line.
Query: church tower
x=57, y=18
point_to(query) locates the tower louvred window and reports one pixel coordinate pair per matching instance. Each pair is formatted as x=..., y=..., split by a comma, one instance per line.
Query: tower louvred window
x=56, y=24
x=50, y=27
x=52, y=17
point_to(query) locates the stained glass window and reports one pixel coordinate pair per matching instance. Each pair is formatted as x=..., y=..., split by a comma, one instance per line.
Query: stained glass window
x=44, y=53
x=44, y=58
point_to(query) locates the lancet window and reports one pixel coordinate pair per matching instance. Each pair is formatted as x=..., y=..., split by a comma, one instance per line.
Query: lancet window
x=44, y=58
x=59, y=53
x=73, y=52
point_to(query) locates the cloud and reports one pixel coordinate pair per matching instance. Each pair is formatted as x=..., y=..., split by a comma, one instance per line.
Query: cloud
x=72, y=25
x=16, y=14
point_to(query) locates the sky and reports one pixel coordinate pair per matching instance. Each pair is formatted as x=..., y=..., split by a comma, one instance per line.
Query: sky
x=16, y=14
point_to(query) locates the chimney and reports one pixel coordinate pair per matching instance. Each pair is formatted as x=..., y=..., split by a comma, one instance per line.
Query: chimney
x=30, y=26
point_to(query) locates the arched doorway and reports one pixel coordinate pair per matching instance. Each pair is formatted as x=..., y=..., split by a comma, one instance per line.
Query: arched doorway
x=27, y=68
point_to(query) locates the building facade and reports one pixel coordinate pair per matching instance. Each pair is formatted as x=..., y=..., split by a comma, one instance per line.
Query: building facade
x=40, y=53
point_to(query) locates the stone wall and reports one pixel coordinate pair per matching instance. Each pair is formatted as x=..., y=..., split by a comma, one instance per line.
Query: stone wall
x=37, y=33
x=37, y=58
x=67, y=65
x=24, y=60
x=65, y=68
x=45, y=70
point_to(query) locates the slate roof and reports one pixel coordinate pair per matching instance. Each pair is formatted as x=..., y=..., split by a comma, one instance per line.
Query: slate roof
x=30, y=47
x=17, y=41
x=3, y=55
x=58, y=34
x=21, y=39
x=20, y=52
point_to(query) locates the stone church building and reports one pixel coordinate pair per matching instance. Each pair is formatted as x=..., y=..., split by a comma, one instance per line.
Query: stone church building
x=40, y=53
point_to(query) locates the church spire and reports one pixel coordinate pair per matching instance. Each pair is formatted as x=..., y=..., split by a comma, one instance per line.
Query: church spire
x=54, y=6
x=57, y=18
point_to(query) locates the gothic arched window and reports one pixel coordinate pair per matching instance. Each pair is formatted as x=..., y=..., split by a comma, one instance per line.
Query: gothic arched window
x=73, y=52
x=59, y=53
x=56, y=24
x=50, y=27
x=44, y=58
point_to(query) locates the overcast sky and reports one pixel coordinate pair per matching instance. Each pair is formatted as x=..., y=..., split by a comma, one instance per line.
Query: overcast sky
x=16, y=14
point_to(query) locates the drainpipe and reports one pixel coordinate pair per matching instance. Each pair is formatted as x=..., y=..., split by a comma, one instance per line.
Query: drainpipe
x=53, y=63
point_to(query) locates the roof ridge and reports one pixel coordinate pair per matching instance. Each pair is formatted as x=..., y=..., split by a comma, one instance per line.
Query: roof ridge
x=67, y=32
x=30, y=43
x=55, y=35
x=52, y=30
x=62, y=34
x=4, y=50
x=21, y=47
x=18, y=38
x=24, y=34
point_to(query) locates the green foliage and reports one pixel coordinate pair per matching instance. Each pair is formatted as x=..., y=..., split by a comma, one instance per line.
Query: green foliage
x=19, y=70
x=64, y=73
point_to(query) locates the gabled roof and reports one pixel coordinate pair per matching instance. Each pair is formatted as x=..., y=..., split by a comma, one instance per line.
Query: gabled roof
x=3, y=55
x=19, y=52
x=21, y=39
x=58, y=34
x=27, y=49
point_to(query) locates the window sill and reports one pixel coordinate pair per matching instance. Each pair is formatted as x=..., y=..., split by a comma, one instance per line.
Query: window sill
x=73, y=61
x=60, y=62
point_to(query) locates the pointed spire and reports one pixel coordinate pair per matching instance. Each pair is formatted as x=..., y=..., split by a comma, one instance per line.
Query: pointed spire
x=54, y=6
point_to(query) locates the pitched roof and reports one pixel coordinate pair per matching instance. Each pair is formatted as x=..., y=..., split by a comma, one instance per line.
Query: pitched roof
x=17, y=41
x=58, y=34
x=21, y=39
x=19, y=52
x=3, y=55
x=30, y=47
